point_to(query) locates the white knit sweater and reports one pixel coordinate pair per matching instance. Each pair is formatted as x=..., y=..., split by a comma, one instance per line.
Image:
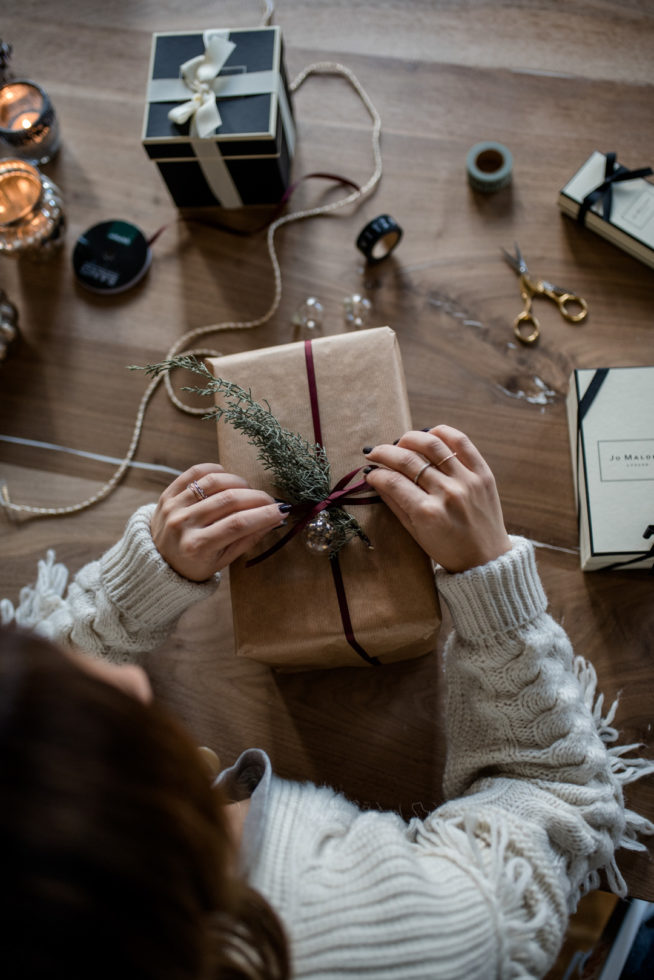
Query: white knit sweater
x=483, y=886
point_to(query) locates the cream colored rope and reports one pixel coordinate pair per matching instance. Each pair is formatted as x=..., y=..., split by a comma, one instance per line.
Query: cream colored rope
x=182, y=346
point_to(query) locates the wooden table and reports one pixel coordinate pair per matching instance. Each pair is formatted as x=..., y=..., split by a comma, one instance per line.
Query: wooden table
x=551, y=85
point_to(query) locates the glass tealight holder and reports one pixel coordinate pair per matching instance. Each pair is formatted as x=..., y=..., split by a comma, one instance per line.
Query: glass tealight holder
x=29, y=129
x=32, y=220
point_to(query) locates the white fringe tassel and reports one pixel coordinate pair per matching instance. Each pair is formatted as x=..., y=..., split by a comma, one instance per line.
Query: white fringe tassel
x=37, y=602
x=624, y=770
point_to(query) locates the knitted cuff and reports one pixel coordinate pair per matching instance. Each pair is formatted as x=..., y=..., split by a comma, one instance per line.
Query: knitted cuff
x=495, y=598
x=141, y=584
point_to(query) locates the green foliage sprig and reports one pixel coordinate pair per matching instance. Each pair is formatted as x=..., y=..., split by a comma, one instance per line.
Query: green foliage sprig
x=300, y=469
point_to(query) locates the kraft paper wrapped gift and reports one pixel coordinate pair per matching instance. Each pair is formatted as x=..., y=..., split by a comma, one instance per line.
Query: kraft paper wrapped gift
x=610, y=418
x=232, y=140
x=286, y=608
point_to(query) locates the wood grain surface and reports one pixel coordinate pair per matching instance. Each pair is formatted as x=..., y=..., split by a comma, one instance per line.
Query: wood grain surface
x=553, y=82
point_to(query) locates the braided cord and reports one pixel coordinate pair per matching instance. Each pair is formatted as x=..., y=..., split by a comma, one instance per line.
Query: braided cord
x=182, y=345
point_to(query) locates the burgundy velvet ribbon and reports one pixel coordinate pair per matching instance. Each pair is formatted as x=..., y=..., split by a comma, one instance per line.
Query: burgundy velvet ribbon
x=342, y=492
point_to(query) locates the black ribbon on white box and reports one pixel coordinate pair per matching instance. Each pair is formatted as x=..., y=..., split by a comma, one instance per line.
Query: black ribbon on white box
x=197, y=89
x=614, y=173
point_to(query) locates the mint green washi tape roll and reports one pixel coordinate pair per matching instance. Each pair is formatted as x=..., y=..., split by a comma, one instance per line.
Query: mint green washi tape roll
x=489, y=166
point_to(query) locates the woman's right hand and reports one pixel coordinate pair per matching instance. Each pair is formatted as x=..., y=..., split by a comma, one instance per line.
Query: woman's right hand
x=453, y=510
x=198, y=532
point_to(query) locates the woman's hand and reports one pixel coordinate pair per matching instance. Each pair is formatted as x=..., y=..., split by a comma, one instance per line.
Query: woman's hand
x=453, y=510
x=198, y=532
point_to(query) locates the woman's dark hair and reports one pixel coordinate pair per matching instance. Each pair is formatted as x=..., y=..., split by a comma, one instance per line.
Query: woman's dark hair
x=116, y=860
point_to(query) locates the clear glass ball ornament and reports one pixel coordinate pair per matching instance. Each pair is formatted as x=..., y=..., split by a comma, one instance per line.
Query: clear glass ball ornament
x=309, y=314
x=319, y=535
x=357, y=310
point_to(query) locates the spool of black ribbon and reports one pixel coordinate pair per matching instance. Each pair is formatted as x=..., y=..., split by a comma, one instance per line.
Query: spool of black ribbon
x=378, y=239
x=111, y=257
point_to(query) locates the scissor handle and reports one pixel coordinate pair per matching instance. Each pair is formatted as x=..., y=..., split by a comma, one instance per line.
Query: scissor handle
x=521, y=322
x=565, y=299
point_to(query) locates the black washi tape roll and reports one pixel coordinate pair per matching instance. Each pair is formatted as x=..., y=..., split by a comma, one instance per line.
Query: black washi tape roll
x=489, y=166
x=378, y=239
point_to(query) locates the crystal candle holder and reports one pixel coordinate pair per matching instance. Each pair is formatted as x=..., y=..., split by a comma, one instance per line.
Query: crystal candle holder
x=8, y=325
x=32, y=218
x=29, y=129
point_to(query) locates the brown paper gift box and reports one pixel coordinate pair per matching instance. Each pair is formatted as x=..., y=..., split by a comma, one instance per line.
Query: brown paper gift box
x=285, y=609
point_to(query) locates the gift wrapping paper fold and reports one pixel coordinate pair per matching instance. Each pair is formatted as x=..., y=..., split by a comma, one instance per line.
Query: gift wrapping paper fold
x=286, y=610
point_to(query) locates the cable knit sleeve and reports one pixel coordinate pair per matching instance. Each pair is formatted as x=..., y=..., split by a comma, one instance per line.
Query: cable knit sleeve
x=536, y=806
x=118, y=607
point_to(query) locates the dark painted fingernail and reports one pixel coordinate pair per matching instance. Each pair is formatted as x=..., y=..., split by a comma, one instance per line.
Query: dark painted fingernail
x=396, y=441
x=284, y=508
x=369, y=469
x=367, y=449
x=426, y=428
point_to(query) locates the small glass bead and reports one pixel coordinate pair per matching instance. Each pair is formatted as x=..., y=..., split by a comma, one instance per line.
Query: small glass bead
x=308, y=315
x=357, y=310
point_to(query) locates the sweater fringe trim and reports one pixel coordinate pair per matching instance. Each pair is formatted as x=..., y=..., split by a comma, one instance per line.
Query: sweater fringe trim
x=624, y=770
x=36, y=602
x=481, y=845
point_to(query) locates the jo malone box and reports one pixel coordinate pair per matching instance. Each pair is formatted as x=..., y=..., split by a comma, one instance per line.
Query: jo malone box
x=611, y=425
x=623, y=212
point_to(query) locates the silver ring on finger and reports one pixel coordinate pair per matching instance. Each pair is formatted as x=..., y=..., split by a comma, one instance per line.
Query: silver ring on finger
x=420, y=472
x=196, y=490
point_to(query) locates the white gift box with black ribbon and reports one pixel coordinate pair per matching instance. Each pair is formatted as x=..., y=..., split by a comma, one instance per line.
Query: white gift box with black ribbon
x=611, y=425
x=218, y=118
x=614, y=202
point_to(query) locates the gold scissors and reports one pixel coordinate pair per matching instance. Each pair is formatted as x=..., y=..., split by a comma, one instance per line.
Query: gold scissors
x=541, y=287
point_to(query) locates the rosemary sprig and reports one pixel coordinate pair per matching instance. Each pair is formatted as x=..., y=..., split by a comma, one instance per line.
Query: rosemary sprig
x=300, y=469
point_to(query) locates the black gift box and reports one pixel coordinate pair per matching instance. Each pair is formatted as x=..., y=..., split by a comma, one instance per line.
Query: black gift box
x=246, y=159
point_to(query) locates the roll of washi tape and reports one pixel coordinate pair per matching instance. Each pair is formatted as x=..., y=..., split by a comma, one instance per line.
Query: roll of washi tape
x=489, y=166
x=378, y=239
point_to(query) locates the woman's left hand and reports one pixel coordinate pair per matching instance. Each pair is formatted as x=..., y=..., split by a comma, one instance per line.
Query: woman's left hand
x=199, y=531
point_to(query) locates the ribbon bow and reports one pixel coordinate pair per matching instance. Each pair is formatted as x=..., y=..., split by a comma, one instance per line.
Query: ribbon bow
x=199, y=75
x=343, y=492
x=613, y=173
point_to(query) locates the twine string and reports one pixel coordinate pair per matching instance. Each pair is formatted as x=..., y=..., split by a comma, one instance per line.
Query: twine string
x=182, y=345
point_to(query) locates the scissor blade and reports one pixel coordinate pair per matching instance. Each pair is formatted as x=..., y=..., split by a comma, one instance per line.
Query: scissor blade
x=511, y=259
